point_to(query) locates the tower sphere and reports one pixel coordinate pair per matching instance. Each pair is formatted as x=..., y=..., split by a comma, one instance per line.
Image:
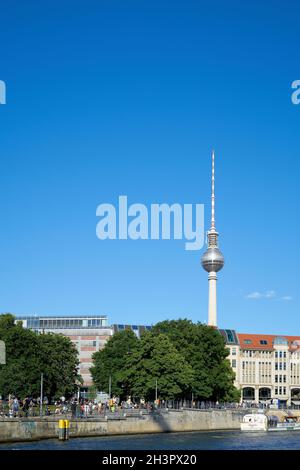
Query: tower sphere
x=212, y=260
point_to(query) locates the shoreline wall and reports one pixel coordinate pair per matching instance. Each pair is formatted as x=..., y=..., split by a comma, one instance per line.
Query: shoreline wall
x=15, y=430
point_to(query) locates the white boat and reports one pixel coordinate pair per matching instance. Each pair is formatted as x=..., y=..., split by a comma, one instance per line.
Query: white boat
x=290, y=423
x=254, y=422
x=261, y=422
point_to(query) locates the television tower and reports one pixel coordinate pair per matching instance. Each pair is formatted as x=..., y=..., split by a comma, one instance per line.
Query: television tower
x=212, y=260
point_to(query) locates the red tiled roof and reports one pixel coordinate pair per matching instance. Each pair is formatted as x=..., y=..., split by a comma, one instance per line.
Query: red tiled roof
x=255, y=341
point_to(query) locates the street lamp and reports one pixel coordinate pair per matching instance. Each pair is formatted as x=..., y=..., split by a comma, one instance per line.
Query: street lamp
x=41, y=397
x=109, y=387
x=2, y=353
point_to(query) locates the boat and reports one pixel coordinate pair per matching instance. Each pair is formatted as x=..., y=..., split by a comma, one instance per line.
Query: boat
x=289, y=423
x=254, y=422
x=261, y=422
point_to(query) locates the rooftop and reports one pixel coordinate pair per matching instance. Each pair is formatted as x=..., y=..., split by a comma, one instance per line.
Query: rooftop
x=266, y=342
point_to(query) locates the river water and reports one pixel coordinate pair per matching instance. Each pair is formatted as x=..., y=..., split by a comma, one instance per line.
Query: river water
x=223, y=440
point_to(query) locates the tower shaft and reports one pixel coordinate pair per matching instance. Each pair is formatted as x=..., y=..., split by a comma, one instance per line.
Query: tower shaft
x=212, y=299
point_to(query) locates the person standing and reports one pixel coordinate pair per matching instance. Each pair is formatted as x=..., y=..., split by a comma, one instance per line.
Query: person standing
x=73, y=408
x=15, y=407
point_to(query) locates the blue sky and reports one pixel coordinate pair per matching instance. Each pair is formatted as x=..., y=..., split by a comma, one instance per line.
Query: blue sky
x=106, y=98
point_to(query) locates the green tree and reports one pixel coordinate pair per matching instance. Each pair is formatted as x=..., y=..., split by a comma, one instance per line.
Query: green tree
x=59, y=363
x=21, y=373
x=204, y=349
x=92, y=392
x=28, y=354
x=156, y=358
x=110, y=362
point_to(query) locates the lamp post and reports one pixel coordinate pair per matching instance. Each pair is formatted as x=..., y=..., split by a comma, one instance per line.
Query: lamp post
x=109, y=387
x=2, y=356
x=2, y=353
x=41, y=396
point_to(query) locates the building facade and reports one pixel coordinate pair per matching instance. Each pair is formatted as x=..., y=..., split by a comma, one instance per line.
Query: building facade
x=267, y=367
x=88, y=333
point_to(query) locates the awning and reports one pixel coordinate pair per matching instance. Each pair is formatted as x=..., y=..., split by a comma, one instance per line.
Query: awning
x=296, y=402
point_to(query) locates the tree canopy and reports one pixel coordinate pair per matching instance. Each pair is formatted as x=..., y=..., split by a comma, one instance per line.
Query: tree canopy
x=203, y=347
x=156, y=361
x=29, y=354
x=110, y=361
x=185, y=358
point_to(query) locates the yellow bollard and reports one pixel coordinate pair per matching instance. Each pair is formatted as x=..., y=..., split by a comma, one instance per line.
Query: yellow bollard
x=67, y=429
x=61, y=429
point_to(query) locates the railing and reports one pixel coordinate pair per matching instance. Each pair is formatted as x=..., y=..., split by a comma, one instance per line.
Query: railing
x=115, y=412
x=92, y=411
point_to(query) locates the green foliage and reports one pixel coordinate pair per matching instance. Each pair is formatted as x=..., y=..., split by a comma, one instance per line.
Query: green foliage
x=59, y=363
x=110, y=361
x=92, y=392
x=185, y=359
x=204, y=349
x=156, y=359
x=29, y=354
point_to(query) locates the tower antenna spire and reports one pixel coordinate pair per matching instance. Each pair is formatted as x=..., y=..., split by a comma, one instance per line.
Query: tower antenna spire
x=213, y=191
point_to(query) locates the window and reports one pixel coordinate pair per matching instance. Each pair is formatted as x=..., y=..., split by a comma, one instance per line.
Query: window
x=280, y=378
x=280, y=390
x=284, y=354
x=276, y=365
x=231, y=337
x=233, y=351
x=280, y=340
x=284, y=390
x=280, y=354
x=233, y=362
x=284, y=378
x=284, y=366
x=280, y=365
x=247, y=341
x=263, y=341
x=276, y=378
x=276, y=354
x=94, y=343
x=276, y=390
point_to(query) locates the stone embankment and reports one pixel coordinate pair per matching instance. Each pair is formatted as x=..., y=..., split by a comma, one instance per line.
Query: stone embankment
x=28, y=429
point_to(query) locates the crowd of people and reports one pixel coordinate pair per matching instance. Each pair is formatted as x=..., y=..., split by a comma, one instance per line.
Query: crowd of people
x=79, y=407
x=15, y=407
